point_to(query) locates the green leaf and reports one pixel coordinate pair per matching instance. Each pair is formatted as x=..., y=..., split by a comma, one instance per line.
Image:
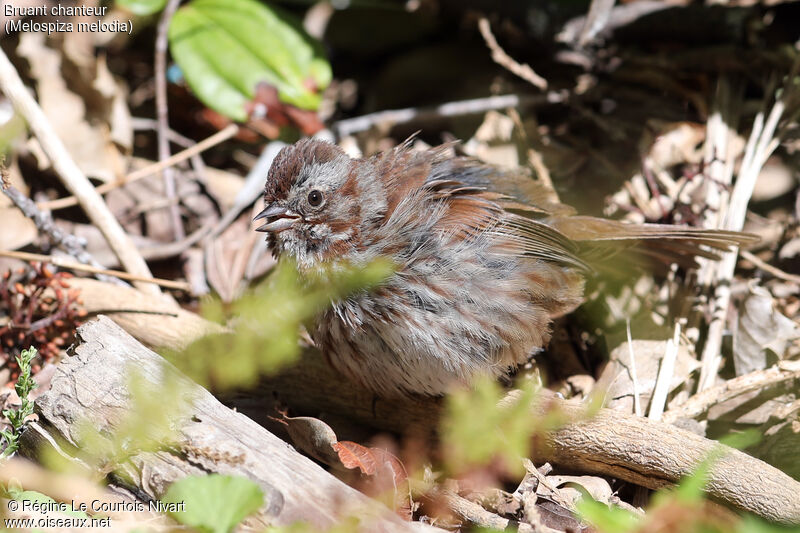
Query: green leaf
x=227, y=47
x=265, y=334
x=215, y=502
x=142, y=7
x=606, y=519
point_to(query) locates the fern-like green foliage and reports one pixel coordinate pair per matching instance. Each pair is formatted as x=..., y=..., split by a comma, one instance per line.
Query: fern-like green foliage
x=266, y=322
x=478, y=429
x=24, y=386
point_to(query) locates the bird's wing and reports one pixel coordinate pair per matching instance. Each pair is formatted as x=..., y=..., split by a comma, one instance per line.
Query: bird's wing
x=471, y=211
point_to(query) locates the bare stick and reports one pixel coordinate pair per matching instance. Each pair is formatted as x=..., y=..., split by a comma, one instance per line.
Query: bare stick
x=766, y=267
x=500, y=57
x=611, y=442
x=349, y=126
x=72, y=177
x=476, y=514
x=778, y=377
x=665, y=373
x=44, y=222
x=637, y=402
x=596, y=20
x=759, y=147
x=58, y=261
x=162, y=115
x=205, y=144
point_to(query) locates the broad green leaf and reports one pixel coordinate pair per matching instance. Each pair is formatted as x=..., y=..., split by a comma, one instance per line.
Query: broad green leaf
x=142, y=7
x=227, y=47
x=214, y=503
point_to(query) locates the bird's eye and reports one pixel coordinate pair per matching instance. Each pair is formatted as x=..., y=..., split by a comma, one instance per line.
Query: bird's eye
x=315, y=198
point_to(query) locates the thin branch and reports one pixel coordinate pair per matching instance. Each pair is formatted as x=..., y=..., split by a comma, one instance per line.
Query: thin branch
x=778, y=377
x=597, y=18
x=500, y=57
x=162, y=115
x=60, y=262
x=44, y=222
x=205, y=144
x=475, y=514
x=349, y=126
x=719, y=162
x=72, y=177
x=766, y=267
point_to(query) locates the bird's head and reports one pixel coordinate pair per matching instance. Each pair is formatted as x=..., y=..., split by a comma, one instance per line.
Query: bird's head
x=314, y=199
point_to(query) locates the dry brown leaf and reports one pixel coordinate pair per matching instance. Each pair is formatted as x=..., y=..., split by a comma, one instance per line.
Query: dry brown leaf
x=386, y=477
x=597, y=487
x=617, y=381
x=760, y=329
x=353, y=455
x=18, y=230
x=89, y=144
x=227, y=257
x=676, y=143
x=386, y=474
x=223, y=186
x=774, y=180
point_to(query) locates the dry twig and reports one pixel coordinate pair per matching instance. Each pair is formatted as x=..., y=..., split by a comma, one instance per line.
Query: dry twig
x=58, y=261
x=597, y=18
x=205, y=144
x=162, y=114
x=637, y=402
x=475, y=106
x=44, y=222
x=665, y=373
x=776, y=377
x=475, y=514
x=766, y=267
x=72, y=177
x=500, y=57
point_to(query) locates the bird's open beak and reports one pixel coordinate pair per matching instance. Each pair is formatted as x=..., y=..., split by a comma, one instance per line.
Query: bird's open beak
x=278, y=218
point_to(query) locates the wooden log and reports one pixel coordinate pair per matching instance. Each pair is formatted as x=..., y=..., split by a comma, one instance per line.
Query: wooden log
x=91, y=386
x=627, y=447
x=624, y=446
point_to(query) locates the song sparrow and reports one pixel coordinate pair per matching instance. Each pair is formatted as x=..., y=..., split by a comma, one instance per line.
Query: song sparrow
x=480, y=274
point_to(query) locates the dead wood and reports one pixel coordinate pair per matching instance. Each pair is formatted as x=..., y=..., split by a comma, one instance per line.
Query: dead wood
x=654, y=455
x=650, y=454
x=92, y=386
x=152, y=320
x=640, y=451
